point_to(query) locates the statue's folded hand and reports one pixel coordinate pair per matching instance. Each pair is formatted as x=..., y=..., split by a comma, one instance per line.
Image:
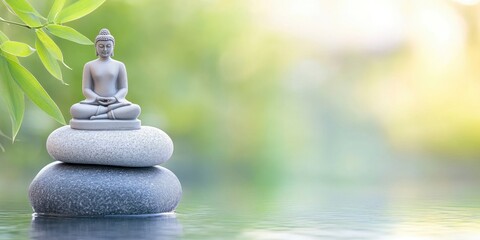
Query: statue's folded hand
x=105, y=101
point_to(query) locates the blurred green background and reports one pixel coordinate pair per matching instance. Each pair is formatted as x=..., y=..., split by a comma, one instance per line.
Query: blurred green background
x=271, y=99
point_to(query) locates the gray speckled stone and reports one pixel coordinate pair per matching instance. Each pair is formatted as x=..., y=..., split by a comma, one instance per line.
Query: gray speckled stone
x=145, y=147
x=63, y=189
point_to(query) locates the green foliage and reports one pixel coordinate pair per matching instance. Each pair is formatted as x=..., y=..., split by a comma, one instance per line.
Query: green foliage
x=15, y=79
x=13, y=96
x=18, y=49
x=32, y=88
x=49, y=55
x=68, y=33
x=25, y=12
x=78, y=10
x=55, y=10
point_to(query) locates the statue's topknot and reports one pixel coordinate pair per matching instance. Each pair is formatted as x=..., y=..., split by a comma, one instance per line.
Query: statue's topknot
x=104, y=35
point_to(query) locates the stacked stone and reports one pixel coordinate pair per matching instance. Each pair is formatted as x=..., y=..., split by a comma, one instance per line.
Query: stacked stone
x=106, y=172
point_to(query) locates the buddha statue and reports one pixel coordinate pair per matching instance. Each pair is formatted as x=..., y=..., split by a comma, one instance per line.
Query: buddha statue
x=104, y=85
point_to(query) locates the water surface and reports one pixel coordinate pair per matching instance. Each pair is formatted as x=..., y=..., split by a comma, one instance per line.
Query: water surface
x=435, y=212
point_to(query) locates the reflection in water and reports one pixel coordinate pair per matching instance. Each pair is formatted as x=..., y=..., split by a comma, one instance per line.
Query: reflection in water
x=160, y=227
x=364, y=215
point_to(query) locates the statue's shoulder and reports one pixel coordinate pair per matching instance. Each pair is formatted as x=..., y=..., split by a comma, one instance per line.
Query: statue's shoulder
x=118, y=63
x=90, y=63
x=97, y=62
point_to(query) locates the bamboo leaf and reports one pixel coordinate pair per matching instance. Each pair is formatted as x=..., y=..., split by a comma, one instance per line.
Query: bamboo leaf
x=49, y=44
x=13, y=97
x=25, y=12
x=48, y=60
x=3, y=37
x=34, y=91
x=55, y=10
x=18, y=49
x=78, y=10
x=69, y=34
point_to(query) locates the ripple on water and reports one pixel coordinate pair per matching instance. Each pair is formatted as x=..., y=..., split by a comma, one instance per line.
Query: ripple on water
x=426, y=220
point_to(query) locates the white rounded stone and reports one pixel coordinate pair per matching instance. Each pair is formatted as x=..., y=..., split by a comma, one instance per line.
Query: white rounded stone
x=145, y=147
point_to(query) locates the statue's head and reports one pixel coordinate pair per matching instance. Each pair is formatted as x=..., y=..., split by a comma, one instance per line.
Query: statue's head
x=104, y=43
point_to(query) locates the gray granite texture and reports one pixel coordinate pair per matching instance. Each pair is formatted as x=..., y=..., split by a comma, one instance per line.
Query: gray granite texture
x=145, y=147
x=62, y=189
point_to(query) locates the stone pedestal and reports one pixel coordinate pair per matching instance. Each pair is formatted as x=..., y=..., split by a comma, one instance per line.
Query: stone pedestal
x=105, y=124
x=145, y=147
x=106, y=173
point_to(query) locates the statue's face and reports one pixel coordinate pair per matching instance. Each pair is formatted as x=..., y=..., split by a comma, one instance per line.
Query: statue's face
x=104, y=48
